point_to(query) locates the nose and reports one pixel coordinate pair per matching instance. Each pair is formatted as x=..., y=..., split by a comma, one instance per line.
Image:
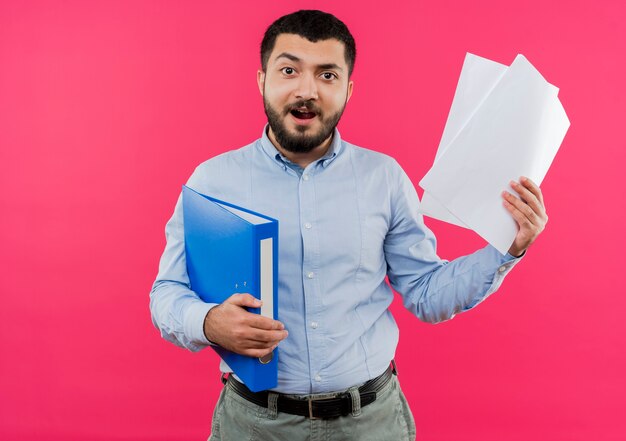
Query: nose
x=307, y=88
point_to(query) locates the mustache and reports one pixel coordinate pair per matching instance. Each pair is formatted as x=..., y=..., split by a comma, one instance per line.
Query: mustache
x=310, y=107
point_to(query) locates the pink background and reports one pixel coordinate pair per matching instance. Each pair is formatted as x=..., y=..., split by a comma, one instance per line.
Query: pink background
x=106, y=108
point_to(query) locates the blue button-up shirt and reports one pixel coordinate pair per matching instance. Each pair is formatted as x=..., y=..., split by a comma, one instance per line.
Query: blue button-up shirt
x=346, y=222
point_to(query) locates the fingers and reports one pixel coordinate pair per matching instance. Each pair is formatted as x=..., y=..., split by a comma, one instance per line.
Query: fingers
x=257, y=344
x=527, y=196
x=240, y=344
x=264, y=337
x=254, y=320
x=528, y=211
x=522, y=211
x=260, y=322
x=247, y=300
x=255, y=327
x=252, y=344
x=530, y=202
x=520, y=217
x=533, y=188
x=530, y=193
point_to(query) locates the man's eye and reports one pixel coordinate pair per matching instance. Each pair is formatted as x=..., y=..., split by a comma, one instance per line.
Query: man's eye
x=329, y=76
x=287, y=70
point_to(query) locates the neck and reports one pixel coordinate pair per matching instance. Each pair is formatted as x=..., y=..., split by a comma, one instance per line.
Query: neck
x=302, y=159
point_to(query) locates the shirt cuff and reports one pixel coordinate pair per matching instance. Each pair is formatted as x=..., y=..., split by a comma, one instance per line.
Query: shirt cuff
x=509, y=256
x=194, y=322
x=493, y=261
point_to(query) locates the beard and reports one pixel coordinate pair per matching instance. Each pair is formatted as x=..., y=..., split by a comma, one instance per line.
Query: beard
x=303, y=141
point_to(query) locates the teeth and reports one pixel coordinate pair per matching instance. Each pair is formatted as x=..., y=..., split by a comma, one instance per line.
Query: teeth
x=303, y=113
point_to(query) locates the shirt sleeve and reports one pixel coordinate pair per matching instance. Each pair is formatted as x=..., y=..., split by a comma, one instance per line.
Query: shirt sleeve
x=176, y=310
x=434, y=289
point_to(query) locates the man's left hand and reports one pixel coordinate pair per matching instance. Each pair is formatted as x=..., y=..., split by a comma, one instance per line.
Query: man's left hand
x=529, y=212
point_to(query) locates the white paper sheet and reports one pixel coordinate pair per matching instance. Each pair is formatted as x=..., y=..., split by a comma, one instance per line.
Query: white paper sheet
x=478, y=77
x=504, y=123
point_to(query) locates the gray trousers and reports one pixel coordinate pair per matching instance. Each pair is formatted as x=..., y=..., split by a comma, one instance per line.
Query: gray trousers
x=387, y=418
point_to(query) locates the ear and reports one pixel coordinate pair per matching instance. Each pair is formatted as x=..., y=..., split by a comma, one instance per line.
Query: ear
x=350, y=86
x=260, y=79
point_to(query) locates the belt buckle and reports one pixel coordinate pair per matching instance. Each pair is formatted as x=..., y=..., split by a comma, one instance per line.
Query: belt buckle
x=311, y=417
x=342, y=396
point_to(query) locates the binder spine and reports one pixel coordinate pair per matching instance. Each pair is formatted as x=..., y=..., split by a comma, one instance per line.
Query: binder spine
x=266, y=287
x=266, y=241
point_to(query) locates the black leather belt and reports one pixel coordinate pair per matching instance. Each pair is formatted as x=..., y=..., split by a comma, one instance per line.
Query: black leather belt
x=340, y=405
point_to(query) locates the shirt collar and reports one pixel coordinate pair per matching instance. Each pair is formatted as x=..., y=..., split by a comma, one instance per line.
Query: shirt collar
x=335, y=148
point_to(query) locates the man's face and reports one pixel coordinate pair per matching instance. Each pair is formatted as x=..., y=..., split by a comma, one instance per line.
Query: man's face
x=305, y=89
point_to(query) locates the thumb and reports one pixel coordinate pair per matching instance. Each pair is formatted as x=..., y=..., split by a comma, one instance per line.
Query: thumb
x=244, y=300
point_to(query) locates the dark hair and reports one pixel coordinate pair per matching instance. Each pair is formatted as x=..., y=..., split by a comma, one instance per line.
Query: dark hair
x=313, y=25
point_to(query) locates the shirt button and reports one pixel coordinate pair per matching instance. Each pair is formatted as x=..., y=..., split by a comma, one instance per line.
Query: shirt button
x=502, y=269
x=305, y=177
x=318, y=378
x=314, y=325
x=310, y=275
x=308, y=225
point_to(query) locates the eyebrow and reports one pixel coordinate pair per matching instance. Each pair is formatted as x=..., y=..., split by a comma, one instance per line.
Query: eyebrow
x=297, y=60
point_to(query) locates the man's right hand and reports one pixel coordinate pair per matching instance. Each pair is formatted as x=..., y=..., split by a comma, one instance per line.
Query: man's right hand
x=232, y=327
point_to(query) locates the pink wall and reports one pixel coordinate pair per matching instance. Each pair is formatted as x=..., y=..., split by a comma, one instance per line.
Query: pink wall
x=106, y=108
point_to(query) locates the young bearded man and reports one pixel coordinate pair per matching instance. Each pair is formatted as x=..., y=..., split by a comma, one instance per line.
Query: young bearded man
x=348, y=219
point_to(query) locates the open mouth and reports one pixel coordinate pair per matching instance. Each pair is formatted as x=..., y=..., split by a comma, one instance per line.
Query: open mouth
x=303, y=114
